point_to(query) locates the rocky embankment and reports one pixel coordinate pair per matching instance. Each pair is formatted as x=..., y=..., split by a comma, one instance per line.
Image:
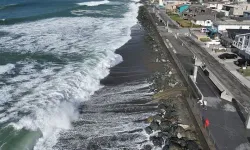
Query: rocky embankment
x=171, y=128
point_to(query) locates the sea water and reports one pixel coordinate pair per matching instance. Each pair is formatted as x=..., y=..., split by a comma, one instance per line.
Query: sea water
x=53, y=54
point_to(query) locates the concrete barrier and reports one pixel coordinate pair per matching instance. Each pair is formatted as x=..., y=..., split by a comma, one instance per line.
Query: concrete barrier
x=225, y=94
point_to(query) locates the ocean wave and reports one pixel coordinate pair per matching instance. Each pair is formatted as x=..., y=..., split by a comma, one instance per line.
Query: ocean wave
x=7, y=6
x=80, y=12
x=94, y=3
x=48, y=93
x=6, y=68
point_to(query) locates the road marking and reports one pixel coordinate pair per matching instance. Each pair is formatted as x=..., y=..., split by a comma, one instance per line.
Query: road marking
x=170, y=45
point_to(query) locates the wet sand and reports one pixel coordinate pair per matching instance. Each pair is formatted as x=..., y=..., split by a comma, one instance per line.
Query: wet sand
x=119, y=115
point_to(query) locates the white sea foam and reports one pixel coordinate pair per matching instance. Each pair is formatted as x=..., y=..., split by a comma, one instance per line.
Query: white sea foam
x=51, y=97
x=94, y=3
x=80, y=12
x=6, y=68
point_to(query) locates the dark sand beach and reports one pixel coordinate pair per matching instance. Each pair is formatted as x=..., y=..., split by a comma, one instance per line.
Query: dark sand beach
x=134, y=109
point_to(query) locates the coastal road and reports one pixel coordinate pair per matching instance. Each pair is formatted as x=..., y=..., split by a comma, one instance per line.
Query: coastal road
x=226, y=126
x=166, y=18
x=239, y=91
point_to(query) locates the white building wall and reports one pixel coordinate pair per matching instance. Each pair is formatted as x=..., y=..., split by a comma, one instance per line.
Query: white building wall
x=242, y=42
x=204, y=23
x=219, y=6
x=224, y=27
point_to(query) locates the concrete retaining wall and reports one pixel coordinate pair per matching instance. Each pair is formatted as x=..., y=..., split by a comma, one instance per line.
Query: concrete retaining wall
x=225, y=94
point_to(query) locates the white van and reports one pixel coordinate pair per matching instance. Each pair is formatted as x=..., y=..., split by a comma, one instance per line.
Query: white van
x=204, y=30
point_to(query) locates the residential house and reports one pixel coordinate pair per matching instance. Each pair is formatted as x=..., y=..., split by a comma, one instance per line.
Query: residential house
x=214, y=5
x=182, y=8
x=236, y=10
x=242, y=43
x=228, y=37
x=200, y=15
x=194, y=10
x=203, y=20
x=171, y=4
x=222, y=26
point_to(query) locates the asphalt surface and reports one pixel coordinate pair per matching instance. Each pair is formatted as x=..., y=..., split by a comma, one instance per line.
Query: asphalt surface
x=239, y=91
x=226, y=127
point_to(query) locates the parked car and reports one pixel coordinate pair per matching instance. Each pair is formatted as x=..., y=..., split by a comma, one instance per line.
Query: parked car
x=227, y=56
x=242, y=62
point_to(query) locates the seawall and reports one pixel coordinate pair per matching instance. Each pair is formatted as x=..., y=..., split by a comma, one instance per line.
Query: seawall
x=205, y=140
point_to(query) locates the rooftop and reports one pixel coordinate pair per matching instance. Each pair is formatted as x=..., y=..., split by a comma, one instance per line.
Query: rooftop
x=232, y=22
x=236, y=5
x=238, y=31
x=204, y=17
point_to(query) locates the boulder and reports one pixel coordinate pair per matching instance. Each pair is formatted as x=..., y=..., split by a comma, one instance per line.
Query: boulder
x=179, y=135
x=147, y=147
x=192, y=145
x=157, y=141
x=167, y=142
x=166, y=147
x=162, y=108
x=157, y=118
x=148, y=130
x=186, y=127
x=154, y=126
x=175, y=147
x=164, y=135
x=180, y=129
x=165, y=125
x=182, y=142
x=190, y=135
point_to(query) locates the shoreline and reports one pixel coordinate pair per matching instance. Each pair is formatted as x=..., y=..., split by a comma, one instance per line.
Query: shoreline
x=170, y=122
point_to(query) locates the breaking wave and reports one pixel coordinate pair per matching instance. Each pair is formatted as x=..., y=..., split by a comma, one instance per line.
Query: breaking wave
x=94, y=3
x=44, y=95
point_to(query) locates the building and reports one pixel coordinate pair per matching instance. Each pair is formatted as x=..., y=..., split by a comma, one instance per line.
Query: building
x=203, y=20
x=200, y=15
x=171, y=5
x=246, y=14
x=194, y=10
x=214, y=5
x=236, y=10
x=222, y=26
x=182, y=8
x=242, y=43
x=228, y=37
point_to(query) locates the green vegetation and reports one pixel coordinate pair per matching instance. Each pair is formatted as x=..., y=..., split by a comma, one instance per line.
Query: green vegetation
x=181, y=21
x=244, y=72
x=206, y=39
